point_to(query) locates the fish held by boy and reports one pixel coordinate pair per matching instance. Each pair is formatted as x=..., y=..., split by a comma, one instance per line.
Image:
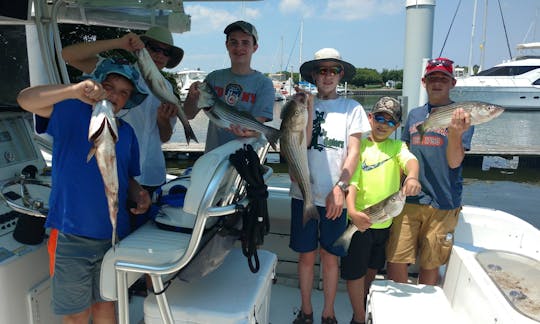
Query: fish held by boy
x=388, y=208
x=158, y=86
x=441, y=117
x=103, y=133
x=294, y=117
x=224, y=115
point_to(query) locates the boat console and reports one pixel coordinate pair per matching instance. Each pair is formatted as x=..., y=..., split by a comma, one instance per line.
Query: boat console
x=24, y=188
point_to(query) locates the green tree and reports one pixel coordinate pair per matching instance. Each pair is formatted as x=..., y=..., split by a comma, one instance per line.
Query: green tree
x=366, y=76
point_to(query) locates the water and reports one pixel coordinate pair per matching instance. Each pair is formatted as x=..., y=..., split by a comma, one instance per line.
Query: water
x=513, y=191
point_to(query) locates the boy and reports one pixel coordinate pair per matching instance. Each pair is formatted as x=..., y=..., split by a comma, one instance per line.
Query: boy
x=376, y=177
x=80, y=229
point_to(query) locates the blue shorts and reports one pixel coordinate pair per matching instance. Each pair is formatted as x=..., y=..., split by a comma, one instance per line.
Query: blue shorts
x=367, y=250
x=326, y=231
x=75, y=272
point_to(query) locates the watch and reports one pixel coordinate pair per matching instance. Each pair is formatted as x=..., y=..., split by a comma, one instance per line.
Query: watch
x=343, y=186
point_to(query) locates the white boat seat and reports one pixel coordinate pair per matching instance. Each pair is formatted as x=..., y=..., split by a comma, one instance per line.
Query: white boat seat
x=214, y=190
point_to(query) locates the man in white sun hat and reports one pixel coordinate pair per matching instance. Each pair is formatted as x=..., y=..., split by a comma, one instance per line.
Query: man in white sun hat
x=335, y=127
x=152, y=120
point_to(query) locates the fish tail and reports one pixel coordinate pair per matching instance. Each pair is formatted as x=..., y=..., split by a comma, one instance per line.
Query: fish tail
x=90, y=154
x=342, y=242
x=272, y=135
x=310, y=211
x=114, y=239
x=190, y=134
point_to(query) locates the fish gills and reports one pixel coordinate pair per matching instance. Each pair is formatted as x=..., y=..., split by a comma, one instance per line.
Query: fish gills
x=103, y=133
x=224, y=115
x=293, y=146
x=157, y=83
x=441, y=117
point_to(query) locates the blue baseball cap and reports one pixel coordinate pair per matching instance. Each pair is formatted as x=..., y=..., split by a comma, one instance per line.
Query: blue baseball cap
x=125, y=69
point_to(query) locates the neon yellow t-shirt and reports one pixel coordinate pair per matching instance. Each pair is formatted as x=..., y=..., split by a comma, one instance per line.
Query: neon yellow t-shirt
x=378, y=173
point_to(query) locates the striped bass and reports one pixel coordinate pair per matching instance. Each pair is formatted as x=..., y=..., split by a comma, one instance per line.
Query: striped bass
x=157, y=83
x=388, y=208
x=293, y=146
x=224, y=115
x=440, y=117
x=103, y=133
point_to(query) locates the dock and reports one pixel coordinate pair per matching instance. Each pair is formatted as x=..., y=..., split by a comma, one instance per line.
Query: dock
x=528, y=156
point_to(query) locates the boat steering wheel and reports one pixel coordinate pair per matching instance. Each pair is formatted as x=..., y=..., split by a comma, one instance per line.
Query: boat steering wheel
x=31, y=198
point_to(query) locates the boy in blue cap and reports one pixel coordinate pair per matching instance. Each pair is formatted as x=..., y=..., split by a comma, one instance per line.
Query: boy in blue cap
x=78, y=219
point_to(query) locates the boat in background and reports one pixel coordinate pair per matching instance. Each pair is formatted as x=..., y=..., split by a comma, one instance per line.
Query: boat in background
x=283, y=86
x=513, y=84
x=185, y=78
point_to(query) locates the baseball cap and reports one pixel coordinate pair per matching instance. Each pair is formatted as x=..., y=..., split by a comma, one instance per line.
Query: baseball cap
x=388, y=105
x=440, y=64
x=326, y=55
x=123, y=68
x=243, y=26
x=162, y=35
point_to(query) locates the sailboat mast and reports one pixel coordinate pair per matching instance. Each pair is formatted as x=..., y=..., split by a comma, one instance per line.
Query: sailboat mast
x=471, y=72
x=300, y=50
x=484, y=31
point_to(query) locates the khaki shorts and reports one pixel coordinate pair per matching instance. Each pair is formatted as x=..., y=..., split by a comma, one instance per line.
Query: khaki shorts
x=422, y=230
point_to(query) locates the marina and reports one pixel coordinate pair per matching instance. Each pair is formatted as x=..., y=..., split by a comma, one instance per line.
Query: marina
x=200, y=276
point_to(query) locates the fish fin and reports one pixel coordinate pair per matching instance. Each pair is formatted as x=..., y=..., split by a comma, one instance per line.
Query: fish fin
x=421, y=130
x=90, y=154
x=190, y=135
x=273, y=135
x=342, y=242
x=310, y=211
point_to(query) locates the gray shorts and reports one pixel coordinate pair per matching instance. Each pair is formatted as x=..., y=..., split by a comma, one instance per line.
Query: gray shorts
x=77, y=267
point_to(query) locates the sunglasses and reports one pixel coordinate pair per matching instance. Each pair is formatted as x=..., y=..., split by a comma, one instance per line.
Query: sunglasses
x=335, y=70
x=439, y=62
x=381, y=120
x=157, y=49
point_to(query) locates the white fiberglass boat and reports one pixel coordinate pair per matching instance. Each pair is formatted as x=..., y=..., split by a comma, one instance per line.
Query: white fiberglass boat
x=185, y=78
x=513, y=84
x=492, y=276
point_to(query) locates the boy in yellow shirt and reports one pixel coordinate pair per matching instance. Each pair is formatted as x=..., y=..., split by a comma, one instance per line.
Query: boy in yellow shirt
x=377, y=176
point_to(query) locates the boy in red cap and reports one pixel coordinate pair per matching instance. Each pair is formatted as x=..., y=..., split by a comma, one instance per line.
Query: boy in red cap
x=426, y=225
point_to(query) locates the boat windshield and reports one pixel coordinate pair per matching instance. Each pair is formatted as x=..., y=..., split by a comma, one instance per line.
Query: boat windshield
x=516, y=276
x=14, y=60
x=507, y=70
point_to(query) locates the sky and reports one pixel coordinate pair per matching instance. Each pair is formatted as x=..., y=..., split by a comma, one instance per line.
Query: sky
x=367, y=33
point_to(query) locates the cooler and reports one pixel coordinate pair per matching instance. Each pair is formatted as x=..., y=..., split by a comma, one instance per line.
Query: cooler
x=229, y=294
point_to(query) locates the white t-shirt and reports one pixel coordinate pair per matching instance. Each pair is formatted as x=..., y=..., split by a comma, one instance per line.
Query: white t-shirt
x=334, y=121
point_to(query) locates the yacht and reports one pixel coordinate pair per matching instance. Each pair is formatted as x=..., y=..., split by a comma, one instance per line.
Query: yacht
x=185, y=78
x=513, y=84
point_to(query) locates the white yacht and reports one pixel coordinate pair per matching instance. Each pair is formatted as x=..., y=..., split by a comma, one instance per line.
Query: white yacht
x=512, y=84
x=185, y=78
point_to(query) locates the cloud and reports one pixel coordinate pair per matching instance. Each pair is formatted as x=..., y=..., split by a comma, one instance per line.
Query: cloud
x=206, y=19
x=349, y=10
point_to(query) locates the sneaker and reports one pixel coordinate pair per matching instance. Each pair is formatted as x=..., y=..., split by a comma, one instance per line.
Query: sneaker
x=303, y=318
x=328, y=320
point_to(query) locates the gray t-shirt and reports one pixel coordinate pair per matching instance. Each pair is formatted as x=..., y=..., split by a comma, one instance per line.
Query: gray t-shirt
x=253, y=93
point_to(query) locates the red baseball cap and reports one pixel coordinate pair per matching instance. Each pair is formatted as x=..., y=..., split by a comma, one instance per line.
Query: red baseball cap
x=440, y=64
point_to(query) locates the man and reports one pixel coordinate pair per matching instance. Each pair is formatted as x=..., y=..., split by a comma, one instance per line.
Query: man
x=426, y=225
x=239, y=86
x=334, y=130
x=78, y=218
x=152, y=120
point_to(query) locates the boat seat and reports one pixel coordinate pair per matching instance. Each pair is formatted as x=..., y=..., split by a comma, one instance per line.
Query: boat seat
x=215, y=189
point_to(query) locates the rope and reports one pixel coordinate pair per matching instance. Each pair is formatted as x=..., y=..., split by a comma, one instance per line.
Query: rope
x=450, y=28
x=255, y=220
x=505, y=33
